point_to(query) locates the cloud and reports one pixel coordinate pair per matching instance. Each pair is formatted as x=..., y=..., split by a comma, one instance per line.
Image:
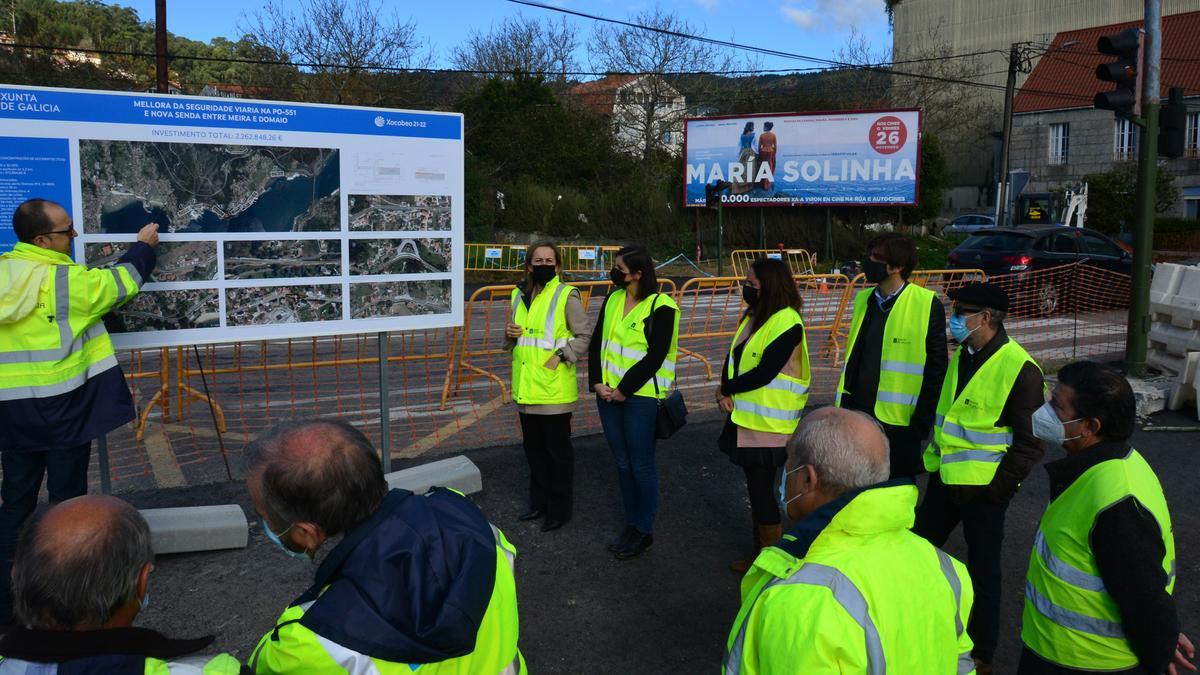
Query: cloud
x=809, y=14
x=707, y=4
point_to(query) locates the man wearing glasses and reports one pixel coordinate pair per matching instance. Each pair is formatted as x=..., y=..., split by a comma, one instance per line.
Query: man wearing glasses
x=983, y=446
x=60, y=385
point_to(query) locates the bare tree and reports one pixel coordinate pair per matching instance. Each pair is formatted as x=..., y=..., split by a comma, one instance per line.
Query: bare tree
x=648, y=112
x=343, y=41
x=521, y=44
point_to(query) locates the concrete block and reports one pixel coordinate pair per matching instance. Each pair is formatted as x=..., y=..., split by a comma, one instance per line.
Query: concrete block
x=1150, y=395
x=1169, y=364
x=1175, y=295
x=1174, y=340
x=197, y=528
x=456, y=472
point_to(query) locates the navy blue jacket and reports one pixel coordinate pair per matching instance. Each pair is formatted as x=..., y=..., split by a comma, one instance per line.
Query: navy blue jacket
x=79, y=416
x=411, y=583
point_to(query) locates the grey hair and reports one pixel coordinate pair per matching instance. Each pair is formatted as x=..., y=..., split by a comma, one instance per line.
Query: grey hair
x=324, y=472
x=58, y=590
x=827, y=444
x=997, y=317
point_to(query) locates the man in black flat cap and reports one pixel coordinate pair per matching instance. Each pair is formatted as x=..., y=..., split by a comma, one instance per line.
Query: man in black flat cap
x=983, y=446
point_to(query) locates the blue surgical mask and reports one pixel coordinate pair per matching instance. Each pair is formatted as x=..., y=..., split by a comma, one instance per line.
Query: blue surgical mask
x=145, y=601
x=783, y=500
x=958, y=327
x=1048, y=427
x=278, y=541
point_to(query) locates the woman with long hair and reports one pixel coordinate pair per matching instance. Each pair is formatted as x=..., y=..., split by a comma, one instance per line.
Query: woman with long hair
x=747, y=157
x=631, y=367
x=764, y=387
x=547, y=334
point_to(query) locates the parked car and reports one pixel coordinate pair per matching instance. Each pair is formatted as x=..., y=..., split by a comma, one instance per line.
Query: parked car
x=971, y=222
x=1020, y=250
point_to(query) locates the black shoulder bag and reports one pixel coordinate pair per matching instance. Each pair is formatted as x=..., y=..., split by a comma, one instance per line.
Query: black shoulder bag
x=672, y=411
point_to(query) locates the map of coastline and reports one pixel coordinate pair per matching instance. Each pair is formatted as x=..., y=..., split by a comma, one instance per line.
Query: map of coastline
x=188, y=187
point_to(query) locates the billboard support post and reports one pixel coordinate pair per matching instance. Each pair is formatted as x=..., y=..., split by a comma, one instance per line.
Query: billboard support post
x=721, y=238
x=762, y=228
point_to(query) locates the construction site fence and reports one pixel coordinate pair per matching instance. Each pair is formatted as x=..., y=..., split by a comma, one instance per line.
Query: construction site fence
x=449, y=389
x=798, y=260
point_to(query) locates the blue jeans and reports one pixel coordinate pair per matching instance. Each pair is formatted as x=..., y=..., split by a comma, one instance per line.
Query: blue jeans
x=65, y=471
x=630, y=429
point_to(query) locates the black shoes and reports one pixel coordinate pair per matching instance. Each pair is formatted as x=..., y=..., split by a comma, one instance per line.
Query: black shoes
x=532, y=514
x=638, y=544
x=618, y=542
x=552, y=524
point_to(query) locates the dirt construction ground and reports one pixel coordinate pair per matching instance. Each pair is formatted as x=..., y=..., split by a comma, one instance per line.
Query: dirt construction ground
x=581, y=610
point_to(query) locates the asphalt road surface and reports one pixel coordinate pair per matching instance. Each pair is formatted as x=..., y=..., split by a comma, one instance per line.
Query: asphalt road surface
x=581, y=610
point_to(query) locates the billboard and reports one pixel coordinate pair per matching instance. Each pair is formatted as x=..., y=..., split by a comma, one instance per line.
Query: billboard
x=848, y=158
x=277, y=220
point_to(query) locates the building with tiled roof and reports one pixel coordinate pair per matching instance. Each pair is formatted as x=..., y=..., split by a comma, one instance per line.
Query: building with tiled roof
x=639, y=107
x=1059, y=137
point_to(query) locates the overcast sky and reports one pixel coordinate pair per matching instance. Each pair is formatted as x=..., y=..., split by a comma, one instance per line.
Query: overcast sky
x=809, y=27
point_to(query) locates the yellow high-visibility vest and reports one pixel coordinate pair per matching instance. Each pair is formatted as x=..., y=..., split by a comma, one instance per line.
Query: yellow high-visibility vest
x=902, y=363
x=775, y=408
x=624, y=342
x=544, y=331
x=1069, y=617
x=967, y=446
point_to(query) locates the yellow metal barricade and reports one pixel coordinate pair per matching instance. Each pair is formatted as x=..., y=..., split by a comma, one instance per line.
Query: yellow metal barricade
x=799, y=260
x=494, y=257
x=587, y=261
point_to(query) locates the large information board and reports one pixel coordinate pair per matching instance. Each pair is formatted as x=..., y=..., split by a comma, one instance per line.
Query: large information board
x=277, y=219
x=859, y=158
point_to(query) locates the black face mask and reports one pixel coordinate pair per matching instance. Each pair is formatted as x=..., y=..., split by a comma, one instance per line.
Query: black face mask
x=618, y=278
x=749, y=295
x=541, y=274
x=875, y=271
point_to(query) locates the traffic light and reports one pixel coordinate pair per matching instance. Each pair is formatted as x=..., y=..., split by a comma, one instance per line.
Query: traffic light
x=1172, y=125
x=1126, y=72
x=712, y=192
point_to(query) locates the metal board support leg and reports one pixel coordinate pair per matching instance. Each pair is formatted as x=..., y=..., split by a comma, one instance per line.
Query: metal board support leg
x=105, y=473
x=385, y=420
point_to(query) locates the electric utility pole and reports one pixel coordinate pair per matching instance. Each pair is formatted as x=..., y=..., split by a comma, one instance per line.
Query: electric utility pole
x=1002, y=196
x=162, y=84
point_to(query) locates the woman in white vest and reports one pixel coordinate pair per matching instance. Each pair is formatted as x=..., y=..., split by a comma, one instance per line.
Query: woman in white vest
x=631, y=367
x=547, y=334
x=764, y=387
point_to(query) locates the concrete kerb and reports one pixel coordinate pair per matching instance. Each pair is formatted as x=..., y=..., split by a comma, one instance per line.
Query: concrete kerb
x=213, y=528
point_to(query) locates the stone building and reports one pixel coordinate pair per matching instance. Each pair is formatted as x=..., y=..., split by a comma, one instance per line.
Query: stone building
x=1059, y=138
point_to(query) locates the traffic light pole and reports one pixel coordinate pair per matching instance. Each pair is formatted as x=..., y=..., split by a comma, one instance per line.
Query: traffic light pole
x=1143, y=234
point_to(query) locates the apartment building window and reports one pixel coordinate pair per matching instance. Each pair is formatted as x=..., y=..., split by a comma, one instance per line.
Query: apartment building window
x=1192, y=136
x=1059, y=142
x=1125, y=141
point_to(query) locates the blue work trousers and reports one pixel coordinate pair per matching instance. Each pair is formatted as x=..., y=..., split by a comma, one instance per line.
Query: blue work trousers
x=629, y=427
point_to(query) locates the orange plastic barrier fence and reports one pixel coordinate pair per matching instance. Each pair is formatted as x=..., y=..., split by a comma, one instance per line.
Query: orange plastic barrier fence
x=449, y=387
x=799, y=260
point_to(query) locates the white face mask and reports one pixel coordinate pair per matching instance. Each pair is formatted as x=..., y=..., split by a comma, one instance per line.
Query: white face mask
x=1048, y=427
x=783, y=500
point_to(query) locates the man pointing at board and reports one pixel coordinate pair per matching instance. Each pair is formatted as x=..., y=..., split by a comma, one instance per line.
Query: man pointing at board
x=60, y=384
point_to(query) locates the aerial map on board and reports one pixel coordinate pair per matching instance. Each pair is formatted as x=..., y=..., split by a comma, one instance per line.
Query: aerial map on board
x=207, y=188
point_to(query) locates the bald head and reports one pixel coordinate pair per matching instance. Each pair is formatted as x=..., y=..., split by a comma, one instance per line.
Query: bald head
x=38, y=216
x=846, y=448
x=324, y=472
x=79, y=562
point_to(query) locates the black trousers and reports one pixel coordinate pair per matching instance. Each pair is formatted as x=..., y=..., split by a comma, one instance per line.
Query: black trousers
x=983, y=528
x=65, y=472
x=763, y=487
x=551, y=456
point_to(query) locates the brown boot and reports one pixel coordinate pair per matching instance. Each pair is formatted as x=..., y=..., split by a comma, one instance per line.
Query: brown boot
x=764, y=536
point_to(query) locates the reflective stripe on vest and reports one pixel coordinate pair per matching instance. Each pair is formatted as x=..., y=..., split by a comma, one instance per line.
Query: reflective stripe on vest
x=624, y=343
x=29, y=367
x=777, y=406
x=902, y=358
x=544, y=330
x=847, y=595
x=967, y=447
x=1069, y=618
